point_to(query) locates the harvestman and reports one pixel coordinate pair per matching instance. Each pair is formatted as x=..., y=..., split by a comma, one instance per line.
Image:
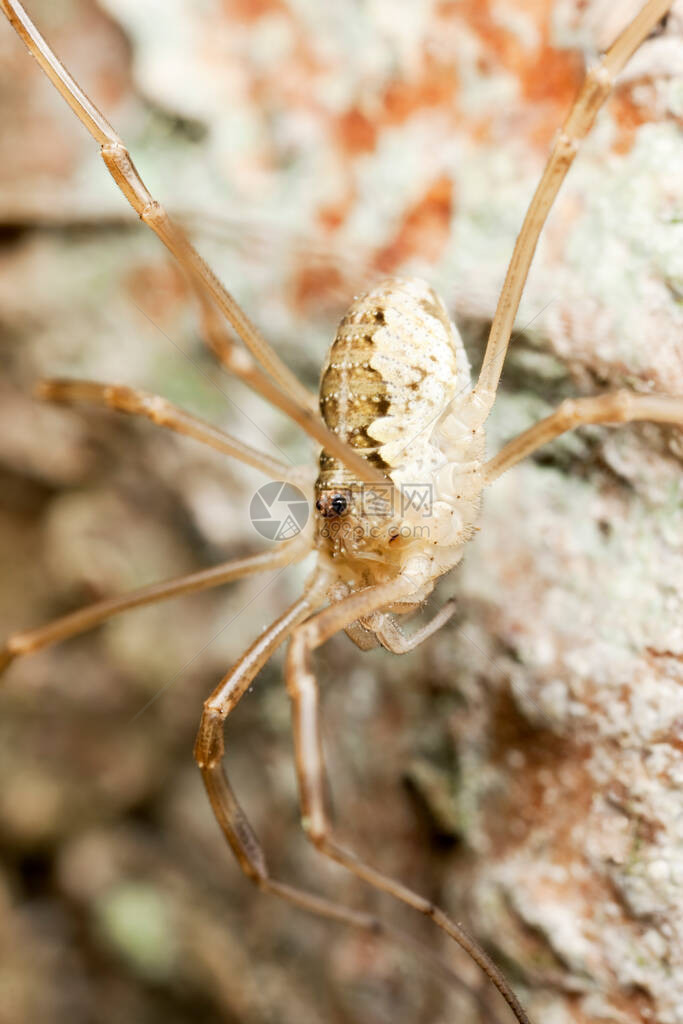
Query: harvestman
x=397, y=407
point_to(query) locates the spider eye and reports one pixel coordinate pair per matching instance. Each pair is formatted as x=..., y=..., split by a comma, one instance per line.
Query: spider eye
x=338, y=504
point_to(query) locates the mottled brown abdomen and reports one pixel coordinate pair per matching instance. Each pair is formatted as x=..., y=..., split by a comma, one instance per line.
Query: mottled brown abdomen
x=352, y=393
x=392, y=368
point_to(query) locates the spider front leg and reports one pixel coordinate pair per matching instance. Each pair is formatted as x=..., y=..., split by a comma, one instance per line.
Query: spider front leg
x=594, y=91
x=302, y=687
x=290, y=394
x=120, y=165
x=617, y=407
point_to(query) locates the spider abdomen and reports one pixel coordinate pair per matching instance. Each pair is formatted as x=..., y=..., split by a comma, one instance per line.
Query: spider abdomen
x=395, y=364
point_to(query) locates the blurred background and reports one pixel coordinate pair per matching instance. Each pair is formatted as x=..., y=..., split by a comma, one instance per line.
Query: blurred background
x=522, y=768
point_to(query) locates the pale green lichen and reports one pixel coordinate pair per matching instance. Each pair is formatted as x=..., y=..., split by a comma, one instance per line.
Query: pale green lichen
x=134, y=920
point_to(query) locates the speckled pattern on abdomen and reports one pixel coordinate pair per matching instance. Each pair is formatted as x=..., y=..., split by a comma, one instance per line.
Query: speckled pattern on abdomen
x=391, y=370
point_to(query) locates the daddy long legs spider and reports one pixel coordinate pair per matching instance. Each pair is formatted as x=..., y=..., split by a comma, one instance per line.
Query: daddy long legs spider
x=375, y=371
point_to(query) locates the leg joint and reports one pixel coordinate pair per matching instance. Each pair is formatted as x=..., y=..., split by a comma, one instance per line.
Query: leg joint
x=568, y=413
x=623, y=405
x=317, y=832
x=209, y=746
x=20, y=643
x=153, y=213
x=599, y=79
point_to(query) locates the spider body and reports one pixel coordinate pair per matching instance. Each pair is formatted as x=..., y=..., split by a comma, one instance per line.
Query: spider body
x=399, y=485
x=396, y=388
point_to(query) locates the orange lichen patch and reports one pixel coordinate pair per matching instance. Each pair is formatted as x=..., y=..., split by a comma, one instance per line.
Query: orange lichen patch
x=158, y=289
x=436, y=86
x=553, y=75
x=331, y=217
x=424, y=231
x=548, y=78
x=628, y=116
x=251, y=10
x=479, y=130
x=551, y=82
x=356, y=132
x=318, y=286
x=287, y=83
x=477, y=14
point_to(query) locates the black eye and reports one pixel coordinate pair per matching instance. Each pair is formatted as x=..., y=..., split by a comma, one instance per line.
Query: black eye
x=338, y=504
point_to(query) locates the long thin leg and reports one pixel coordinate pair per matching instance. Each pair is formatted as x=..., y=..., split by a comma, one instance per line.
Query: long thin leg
x=123, y=171
x=303, y=690
x=592, y=94
x=162, y=412
x=209, y=754
x=85, y=618
x=617, y=407
x=239, y=363
x=301, y=405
